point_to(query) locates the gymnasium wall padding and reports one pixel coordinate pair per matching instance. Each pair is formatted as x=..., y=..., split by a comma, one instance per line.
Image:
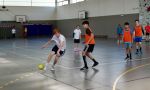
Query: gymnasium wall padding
x=39, y=30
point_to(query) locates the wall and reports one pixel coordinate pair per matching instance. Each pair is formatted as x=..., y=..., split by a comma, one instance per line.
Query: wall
x=98, y=8
x=105, y=25
x=144, y=14
x=42, y=15
x=104, y=15
x=32, y=13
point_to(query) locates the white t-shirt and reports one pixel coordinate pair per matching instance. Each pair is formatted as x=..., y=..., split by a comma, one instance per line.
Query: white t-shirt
x=13, y=31
x=59, y=41
x=77, y=33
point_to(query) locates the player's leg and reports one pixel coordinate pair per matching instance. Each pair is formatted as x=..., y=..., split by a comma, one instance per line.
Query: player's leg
x=84, y=58
x=91, y=57
x=127, y=51
x=57, y=58
x=49, y=59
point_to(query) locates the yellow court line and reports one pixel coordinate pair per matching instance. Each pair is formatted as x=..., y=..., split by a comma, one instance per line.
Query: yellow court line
x=128, y=71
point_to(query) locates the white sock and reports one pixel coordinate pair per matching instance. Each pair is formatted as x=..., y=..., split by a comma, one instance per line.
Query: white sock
x=47, y=64
x=137, y=47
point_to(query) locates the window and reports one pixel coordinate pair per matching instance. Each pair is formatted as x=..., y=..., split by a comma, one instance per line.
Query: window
x=50, y=3
x=75, y=1
x=43, y=3
x=62, y=2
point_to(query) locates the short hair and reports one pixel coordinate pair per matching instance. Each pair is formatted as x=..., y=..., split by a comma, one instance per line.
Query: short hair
x=85, y=22
x=56, y=30
x=136, y=20
x=126, y=23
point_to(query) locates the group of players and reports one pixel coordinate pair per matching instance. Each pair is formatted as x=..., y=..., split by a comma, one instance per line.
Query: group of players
x=127, y=35
x=59, y=49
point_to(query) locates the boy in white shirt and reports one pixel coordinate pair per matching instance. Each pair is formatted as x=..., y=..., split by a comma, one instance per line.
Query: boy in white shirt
x=77, y=37
x=13, y=31
x=58, y=50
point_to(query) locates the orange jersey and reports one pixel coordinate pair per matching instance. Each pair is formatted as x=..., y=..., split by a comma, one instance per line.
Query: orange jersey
x=127, y=36
x=138, y=31
x=87, y=38
x=147, y=28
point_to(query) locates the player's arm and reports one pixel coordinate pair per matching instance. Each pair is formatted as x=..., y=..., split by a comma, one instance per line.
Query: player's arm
x=143, y=31
x=47, y=44
x=80, y=34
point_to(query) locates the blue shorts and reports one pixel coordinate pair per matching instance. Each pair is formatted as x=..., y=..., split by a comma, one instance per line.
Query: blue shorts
x=138, y=39
x=128, y=45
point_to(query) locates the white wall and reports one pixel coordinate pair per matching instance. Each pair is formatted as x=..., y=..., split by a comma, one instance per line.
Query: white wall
x=98, y=8
x=33, y=13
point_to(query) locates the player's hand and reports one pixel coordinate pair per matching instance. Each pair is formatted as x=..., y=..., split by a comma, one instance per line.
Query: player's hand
x=58, y=53
x=83, y=53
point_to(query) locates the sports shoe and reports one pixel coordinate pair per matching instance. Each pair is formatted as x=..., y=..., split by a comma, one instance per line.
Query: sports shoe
x=126, y=58
x=52, y=68
x=95, y=64
x=84, y=68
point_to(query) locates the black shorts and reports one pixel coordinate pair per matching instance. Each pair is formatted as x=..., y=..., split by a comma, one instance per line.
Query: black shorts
x=55, y=49
x=147, y=34
x=90, y=48
x=76, y=40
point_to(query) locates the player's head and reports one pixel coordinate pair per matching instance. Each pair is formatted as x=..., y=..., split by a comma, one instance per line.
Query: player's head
x=137, y=22
x=126, y=25
x=78, y=27
x=85, y=24
x=56, y=32
x=147, y=23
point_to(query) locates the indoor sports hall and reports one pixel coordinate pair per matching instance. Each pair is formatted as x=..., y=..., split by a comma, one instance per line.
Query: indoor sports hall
x=74, y=44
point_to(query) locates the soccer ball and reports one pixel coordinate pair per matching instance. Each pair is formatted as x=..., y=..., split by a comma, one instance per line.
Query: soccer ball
x=41, y=66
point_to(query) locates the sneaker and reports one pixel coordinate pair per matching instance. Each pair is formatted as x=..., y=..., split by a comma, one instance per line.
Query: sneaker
x=130, y=58
x=137, y=53
x=126, y=58
x=52, y=68
x=95, y=64
x=84, y=68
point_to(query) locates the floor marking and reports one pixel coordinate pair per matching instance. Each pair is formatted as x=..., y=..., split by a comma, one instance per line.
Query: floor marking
x=126, y=72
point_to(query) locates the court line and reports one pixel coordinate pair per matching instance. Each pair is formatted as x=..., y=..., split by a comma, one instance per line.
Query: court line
x=126, y=72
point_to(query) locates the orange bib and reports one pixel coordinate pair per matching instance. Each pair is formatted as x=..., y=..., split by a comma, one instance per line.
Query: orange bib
x=127, y=36
x=138, y=31
x=87, y=37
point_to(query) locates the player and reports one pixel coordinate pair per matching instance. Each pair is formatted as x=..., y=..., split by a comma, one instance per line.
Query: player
x=138, y=37
x=89, y=46
x=128, y=39
x=58, y=50
x=147, y=29
x=77, y=38
x=119, y=34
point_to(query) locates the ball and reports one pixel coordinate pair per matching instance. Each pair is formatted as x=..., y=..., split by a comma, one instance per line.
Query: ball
x=41, y=66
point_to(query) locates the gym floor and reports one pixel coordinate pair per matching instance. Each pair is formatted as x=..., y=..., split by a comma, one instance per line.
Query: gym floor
x=19, y=59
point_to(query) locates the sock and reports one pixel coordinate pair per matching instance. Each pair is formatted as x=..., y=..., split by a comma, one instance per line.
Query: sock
x=127, y=55
x=130, y=55
x=137, y=50
x=137, y=47
x=85, y=63
x=46, y=65
x=140, y=48
x=94, y=60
